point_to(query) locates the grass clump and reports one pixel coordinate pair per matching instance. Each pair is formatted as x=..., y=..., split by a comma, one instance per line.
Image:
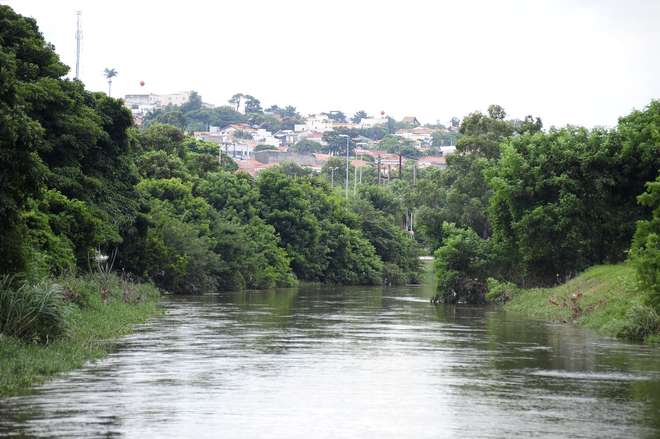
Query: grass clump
x=92, y=311
x=32, y=312
x=605, y=298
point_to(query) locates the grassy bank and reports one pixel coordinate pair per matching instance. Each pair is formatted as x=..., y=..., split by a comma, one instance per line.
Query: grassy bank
x=94, y=311
x=604, y=298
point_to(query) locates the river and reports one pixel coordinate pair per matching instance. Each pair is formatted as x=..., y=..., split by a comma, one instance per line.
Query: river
x=323, y=362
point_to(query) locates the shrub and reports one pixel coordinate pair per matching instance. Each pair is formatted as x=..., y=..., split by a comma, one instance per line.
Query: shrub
x=641, y=321
x=33, y=312
x=393, y=275
x=461, y=265
x=500, y=292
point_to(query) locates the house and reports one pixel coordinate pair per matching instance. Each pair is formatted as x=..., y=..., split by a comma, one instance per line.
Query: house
x=447, y=150
x=315, y=122
x=275, y=156
x=315, y=136
x=141, y=104
x=421, y=136
x=286, y=137
x=432, y=161
x=252, y=166
x=370, y=122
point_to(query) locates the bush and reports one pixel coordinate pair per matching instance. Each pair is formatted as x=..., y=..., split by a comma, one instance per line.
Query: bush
x=393, y=275
x=641, y=321
x=461, y=265
x=646, y=246
x=500, y=292
x=33, y=312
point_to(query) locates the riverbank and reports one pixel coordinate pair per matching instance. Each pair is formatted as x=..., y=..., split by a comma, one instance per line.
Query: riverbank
x=604, y=298
x=96, y=310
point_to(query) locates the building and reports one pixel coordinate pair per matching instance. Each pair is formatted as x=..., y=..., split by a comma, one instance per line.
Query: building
x=421, y=136
x=141, y=104
x=370, y=122
x=315, y=122
x=286, y=137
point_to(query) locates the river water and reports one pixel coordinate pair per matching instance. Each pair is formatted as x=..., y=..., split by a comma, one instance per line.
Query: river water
x=338, y=362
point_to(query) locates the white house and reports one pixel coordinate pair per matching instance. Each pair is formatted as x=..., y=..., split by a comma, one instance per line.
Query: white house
x=315, y=122
x=370, y=122
x=141, y=104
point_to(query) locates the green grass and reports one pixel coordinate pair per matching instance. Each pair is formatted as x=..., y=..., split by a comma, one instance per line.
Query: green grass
x=604, y=298
x=95, y=318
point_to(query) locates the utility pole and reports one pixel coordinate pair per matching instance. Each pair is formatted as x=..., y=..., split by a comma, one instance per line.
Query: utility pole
x=355, y=181
x=361, y=145
x=379, y=169
x=347, y=149
x=78, y=38
x=332, y=176
x=347, y=158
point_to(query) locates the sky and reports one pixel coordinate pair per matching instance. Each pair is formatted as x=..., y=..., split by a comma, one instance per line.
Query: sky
x=583, y=62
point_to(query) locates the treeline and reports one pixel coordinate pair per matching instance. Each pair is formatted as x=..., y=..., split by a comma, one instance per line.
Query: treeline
x=533, y=207
x=79, y=181
x=195, y=116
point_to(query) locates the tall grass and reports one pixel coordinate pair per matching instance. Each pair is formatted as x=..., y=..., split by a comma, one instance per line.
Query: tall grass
x=73, y=319
x=34, y=312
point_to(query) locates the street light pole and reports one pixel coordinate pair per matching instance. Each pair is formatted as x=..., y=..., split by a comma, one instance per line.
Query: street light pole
x=347, y=158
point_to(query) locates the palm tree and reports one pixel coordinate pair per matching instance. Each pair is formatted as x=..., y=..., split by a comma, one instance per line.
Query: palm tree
x=109, y=74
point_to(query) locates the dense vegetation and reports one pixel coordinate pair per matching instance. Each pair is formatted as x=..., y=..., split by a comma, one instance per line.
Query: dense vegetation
x=535, y=208
x=80, y=181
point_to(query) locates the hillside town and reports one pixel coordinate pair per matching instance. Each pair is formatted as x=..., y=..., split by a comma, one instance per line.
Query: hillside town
x=254, y=147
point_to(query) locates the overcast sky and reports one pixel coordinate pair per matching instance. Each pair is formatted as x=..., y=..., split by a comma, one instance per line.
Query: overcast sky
x=581, y=62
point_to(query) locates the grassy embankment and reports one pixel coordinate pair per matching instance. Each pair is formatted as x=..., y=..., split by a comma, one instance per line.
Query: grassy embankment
x=75, y=319
x=604, y=298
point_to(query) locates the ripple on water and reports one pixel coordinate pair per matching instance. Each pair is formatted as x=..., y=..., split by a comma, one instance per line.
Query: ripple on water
x=347, y=363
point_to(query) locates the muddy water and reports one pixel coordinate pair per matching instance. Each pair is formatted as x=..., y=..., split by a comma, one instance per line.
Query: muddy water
x=348, y=363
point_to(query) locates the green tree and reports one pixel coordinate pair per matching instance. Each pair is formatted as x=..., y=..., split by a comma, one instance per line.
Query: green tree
x=306, y=146
x=645, y=250
x=482, y=134
x=194, y=103
x=462, y=264
x=109, y=74
x=552, y=191
x=358, y=116
x=336, y=116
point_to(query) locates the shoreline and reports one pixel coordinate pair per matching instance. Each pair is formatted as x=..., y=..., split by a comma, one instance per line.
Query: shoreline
x=604, y=298
x=93, y=328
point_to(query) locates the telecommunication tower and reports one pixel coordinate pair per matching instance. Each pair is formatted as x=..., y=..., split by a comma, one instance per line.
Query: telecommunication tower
x=78, y=38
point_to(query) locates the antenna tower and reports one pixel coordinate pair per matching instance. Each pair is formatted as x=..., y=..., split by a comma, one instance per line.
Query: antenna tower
x=78, y=38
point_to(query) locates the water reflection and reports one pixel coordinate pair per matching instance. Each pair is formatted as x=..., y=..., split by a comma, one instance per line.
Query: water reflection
x=348, y=362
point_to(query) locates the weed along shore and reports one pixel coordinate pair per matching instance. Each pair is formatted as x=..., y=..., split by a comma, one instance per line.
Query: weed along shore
x=56, y=325
x=605, y=298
